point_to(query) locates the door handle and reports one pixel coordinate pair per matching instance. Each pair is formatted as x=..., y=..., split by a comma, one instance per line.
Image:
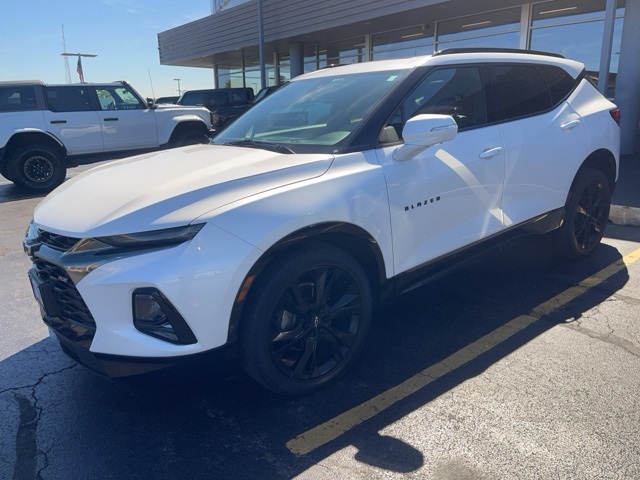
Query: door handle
x=490, y=152
x=570, y=125
x=111, y=119
x=58, y=121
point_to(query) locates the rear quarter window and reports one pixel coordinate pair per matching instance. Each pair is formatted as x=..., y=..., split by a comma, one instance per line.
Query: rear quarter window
x=560, y=83
x=16, y=98
x=521, y=89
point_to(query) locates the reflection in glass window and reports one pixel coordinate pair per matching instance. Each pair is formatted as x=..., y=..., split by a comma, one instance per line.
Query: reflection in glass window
x=448, y=91
x=316, y=115
x=577, y=41
x=505, y=40
x=499, y=29
x=565, y=11
x=344, y=52
x=492, y=23
x=406, y=42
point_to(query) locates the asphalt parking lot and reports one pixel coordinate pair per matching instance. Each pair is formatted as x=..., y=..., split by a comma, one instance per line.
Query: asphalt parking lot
x=517, y=367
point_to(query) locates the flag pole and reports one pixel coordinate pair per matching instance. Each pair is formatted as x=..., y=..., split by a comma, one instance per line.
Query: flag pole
x=79, y=66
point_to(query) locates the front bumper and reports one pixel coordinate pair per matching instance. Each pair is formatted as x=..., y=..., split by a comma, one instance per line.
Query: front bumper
x=86, y=299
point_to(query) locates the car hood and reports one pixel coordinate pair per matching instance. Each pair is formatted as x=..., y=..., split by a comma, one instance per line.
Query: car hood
x=169, y=188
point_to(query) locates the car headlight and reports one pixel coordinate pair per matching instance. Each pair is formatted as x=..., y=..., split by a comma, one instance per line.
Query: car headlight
x=153, y=238
x=166, y=237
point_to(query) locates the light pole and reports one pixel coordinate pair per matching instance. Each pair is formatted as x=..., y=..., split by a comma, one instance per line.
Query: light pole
x=79, y=67
x=179, y=91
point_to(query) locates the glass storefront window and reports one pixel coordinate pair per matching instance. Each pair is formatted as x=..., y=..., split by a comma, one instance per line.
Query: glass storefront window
x=571, y=28
x=351, y=50
x=285, y=70
x=568, y=11
x=405, y=42
x=505, y=40
x=484, y=24
x=575, y=30
x=577, y=41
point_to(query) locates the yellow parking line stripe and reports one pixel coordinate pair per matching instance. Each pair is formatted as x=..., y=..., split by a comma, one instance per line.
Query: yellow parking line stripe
x=326, y=432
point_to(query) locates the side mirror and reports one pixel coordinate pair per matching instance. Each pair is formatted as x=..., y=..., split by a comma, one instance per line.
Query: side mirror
x=150, y=103
x=424, y=131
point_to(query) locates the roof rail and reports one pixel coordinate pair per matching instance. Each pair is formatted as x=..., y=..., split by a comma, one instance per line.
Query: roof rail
x=449, y=51
x=21, y=82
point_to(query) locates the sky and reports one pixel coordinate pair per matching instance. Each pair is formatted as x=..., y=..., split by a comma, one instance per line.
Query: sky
x=122, y=33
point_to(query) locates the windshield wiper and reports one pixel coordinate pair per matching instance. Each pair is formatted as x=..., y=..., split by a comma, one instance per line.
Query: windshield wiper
x=274, y=147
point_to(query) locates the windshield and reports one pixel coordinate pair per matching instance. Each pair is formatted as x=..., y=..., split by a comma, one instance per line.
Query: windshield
x=314, y=115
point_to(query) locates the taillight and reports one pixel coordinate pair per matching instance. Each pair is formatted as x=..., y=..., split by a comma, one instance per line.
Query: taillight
x=615, y=114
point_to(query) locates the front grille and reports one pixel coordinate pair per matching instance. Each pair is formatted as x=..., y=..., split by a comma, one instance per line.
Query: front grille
x=73, y=307
x=57, y=242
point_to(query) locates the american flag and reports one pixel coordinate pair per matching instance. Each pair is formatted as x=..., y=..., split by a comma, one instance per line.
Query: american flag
x=79, y=70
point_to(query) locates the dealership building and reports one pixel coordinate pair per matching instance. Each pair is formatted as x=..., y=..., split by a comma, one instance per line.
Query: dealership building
x=258, y=43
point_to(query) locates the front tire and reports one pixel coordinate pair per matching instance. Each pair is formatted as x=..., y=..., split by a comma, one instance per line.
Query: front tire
x=190, y=137
x=586, y=215
x=306, y=320
x=36, y=167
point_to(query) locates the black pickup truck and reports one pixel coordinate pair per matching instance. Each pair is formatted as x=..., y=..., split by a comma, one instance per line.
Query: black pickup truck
x=225, y=104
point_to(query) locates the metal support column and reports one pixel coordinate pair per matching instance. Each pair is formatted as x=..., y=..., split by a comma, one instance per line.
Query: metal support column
x=263, y=71
x=607, y=44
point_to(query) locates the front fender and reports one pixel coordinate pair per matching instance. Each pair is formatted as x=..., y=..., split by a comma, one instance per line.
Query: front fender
x=30, y=135
x=167, y=126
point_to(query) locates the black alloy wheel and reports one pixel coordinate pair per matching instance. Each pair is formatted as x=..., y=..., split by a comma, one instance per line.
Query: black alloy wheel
x=307, y=321
x=586, y=214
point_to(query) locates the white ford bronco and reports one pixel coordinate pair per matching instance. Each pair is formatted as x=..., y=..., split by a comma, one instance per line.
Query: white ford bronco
x=45, y=128
x=341, y=188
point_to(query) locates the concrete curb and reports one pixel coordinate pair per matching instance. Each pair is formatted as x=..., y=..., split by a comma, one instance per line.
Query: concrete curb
x=621, y=215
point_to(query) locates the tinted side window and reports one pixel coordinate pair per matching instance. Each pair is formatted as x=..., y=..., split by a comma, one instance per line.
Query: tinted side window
x=218, y=98
x=560, y=83
x=17, y=99
x=238, y=96
x=193, y=98
x=522, y=90
x=68, y=99
x=448, y=91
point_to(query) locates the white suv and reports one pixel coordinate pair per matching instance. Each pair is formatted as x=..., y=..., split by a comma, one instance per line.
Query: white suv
x=45, y=128
x=343, y=187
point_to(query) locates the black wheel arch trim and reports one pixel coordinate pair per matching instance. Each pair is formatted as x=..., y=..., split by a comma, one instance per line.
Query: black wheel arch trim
x=603, y=160
x=33, y=136
x=354, y=240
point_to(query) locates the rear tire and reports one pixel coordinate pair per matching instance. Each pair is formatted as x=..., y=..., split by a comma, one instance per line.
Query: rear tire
x=586, y=215
x=306, y=320
x=36, y=167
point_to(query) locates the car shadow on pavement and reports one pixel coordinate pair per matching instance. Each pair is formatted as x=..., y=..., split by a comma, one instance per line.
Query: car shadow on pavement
x=212, y=421
x=10, y=192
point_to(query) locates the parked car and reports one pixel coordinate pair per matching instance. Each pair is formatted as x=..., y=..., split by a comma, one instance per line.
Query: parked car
x=170, y=100
x=45, y=128
x=225, y=104
x=343, y=187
